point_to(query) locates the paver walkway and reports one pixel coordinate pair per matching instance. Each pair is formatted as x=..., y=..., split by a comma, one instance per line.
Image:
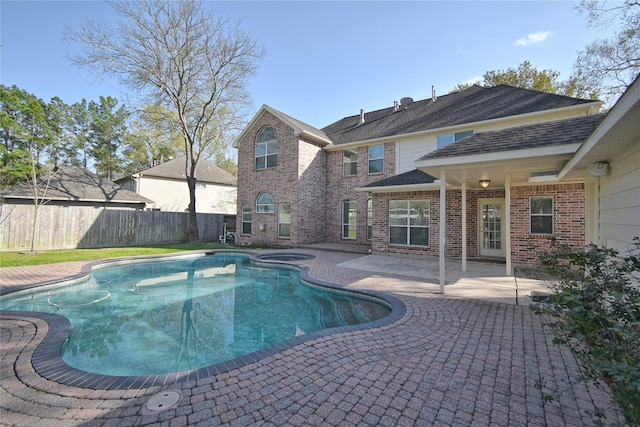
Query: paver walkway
x=447, y=361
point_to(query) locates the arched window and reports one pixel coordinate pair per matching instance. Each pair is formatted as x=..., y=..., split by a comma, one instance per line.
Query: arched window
x=267, y=148
x=265, y=203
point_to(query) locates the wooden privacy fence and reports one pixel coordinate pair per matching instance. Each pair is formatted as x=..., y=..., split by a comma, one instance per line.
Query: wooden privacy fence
x=68, y=227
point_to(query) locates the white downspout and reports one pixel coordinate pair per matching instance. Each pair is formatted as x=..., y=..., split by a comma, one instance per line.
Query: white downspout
x=464, y=226
x=443, y=222
x=507, y=223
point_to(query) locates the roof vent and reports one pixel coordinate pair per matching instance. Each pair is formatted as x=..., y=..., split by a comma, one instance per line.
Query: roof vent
x=361, y=117
x=406, y=101
x=395, y=106
x=433, y=94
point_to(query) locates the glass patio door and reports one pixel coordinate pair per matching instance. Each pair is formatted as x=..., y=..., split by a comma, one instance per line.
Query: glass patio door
x=491, y=227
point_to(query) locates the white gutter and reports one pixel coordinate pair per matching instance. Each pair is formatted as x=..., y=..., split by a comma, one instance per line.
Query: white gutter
x=400, y=188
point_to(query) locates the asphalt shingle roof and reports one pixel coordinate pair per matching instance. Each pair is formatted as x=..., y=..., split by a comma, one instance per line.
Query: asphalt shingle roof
x=412, y=177
x=77, y=184
x=561, y=132
x=471, y=105
x=205, y=172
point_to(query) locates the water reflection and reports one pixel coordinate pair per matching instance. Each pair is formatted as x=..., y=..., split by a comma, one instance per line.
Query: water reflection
x=184, y=314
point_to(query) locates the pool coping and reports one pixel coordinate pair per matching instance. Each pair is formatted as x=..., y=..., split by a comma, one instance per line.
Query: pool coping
x=47, y=357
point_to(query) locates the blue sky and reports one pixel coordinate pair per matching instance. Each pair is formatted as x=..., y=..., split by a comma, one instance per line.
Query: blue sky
x=325, y=60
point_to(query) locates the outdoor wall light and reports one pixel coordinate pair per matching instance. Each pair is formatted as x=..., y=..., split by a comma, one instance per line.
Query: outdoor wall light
x=484, y=183
x=599, y=169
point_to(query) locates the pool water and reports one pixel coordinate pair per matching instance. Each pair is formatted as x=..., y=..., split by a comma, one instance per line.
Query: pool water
x=168, y=316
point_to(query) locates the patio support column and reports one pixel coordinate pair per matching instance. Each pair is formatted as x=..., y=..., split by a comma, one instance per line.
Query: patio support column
x=507, y=223
x=443, y=222
x=464, y=226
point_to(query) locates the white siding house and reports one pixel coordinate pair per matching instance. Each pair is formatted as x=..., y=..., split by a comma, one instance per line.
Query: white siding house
x=611, y=157
x=166, y=185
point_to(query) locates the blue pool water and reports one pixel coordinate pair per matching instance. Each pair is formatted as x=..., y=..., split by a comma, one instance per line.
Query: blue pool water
x=167, y=316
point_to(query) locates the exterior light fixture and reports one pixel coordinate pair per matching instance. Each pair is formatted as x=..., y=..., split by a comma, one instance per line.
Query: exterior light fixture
x=599, y=169
x=484, y=183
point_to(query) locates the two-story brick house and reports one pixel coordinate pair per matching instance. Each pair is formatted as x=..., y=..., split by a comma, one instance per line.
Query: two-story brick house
x=407, y=178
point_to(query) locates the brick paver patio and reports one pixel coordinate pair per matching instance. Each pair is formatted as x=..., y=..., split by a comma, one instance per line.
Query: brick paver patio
x=447, y=361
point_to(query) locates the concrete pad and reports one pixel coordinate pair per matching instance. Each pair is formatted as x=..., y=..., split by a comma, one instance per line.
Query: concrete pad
x=484, y=281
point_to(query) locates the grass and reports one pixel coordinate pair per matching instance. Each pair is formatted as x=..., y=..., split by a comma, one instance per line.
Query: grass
x=15, y=259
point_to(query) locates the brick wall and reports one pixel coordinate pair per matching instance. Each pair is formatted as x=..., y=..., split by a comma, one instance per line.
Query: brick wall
x=569, y=209
x=301, y=165
x=340, y=188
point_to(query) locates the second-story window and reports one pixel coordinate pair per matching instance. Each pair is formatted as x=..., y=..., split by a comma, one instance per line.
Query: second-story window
x=375, y=154
x=350, y=162
x=449, y=138
x=267, y=148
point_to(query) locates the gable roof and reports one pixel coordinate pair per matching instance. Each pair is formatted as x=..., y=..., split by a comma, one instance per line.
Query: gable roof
x=472, y=105
x=205, y=172
x=77, y=184
x=561, y=132
x=299, y=127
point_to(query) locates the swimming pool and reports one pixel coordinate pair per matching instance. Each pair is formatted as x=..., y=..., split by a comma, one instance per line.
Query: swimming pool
x=184, y=314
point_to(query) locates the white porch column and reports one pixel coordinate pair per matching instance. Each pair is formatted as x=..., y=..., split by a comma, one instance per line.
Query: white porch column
x=507, y=223
x=443, y=222
x=464, y=226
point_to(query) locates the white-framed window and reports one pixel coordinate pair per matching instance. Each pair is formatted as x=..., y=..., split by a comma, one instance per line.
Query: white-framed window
x=449, y=138
x=284, y=220
x=541, y=214
x=369, y=219
x=409, y=222
x=246, y=219
x=349, y=217
x=375, y=156
x=265, y=203
x=350, y=162
x=267, y=148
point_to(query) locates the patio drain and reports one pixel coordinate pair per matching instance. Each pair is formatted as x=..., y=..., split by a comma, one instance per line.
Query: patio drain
x=163, y=401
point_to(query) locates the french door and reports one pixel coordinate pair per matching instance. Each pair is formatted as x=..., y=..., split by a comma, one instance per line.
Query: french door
x=491, y=222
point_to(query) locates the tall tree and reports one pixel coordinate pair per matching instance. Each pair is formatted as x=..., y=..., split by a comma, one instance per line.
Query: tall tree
x=528, y=77
x=26, y=134
x=180, y=56
x=80, y=130
x=149, y=141
x=108, y=129
x=60, y=151
x=611, y=65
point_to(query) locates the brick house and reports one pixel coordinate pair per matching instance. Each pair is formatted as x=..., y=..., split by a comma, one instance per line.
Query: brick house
x=409, y=178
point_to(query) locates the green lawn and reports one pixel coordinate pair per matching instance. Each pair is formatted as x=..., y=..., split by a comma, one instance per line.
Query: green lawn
x=13, y=259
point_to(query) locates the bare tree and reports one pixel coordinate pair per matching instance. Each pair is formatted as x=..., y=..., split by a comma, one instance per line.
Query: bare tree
x=177, y=55
x=610, y=65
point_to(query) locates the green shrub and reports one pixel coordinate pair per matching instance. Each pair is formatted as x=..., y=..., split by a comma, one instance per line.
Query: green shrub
x=595, y=311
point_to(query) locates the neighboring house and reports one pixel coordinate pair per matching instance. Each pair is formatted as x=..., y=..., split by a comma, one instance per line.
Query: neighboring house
x=166, y=184
x=468, y=174
x=75, y=186
x=611, y=156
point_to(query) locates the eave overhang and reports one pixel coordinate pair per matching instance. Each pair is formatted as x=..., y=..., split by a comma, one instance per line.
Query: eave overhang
x=588, y=108
x=400, y=188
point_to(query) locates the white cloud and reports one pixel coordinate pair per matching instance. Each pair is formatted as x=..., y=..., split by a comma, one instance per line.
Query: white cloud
x=473, y=80
x=533, y=38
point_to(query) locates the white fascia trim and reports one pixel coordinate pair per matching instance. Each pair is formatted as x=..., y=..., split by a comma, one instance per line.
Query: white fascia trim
x=236, y=142
x=499, y=156
x=298, y=132
x=399, y=188
x=592, y=107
